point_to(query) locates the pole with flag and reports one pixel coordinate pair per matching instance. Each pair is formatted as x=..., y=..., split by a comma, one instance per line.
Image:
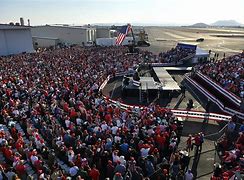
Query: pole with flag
x=122, y=34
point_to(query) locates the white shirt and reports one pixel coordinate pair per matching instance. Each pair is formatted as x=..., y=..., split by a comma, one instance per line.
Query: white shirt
x=104, y=127
x=188, y=176
x=124, y=114
x=16, y=113
x=115, y=158
x=114, y=130
x=118, y=123
x=144, y=152
x=38, y=144
x=70, y=156
x=34, y=159
x=150, y=132
x=96, y=129
x=67, y=123
x=78, y=121
x=117, y=139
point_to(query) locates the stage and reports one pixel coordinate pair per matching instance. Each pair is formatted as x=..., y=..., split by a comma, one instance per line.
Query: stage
x=167, y=83
x=160, y=83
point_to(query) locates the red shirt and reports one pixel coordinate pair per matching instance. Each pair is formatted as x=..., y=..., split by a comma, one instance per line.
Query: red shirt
x=160, y=139
x=94, y=174
x=197, y=140
x=73, y=114
x=8, y=153
x=189, y=141
x=20, y=168
x=66, y=107
x=76, y=89
x=108, y=118
x=18, y=145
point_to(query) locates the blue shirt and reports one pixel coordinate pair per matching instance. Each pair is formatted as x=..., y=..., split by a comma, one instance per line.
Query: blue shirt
x=231, y=126
x=124, y=147
x=242, y=128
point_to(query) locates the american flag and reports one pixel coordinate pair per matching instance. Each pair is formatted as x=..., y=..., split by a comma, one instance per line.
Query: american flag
x=122, y=34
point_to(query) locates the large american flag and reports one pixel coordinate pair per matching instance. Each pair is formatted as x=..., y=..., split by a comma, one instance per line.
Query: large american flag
x=122, y=34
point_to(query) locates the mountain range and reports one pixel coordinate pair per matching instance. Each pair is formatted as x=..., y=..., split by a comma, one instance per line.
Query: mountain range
x=221, y=23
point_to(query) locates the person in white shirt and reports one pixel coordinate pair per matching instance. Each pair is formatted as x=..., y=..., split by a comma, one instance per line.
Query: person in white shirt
x=33, y=158
x=124, y=115
x=78, y=121
x=117, y=139
x=67, y=123
x=114, y=130
x=150, y=132
x=145, y=151
x=115, y=156
x=118, y=123
x=71, y=155
x=188, y=175
x=97, y=129
x=122, y=160
x=104, y=126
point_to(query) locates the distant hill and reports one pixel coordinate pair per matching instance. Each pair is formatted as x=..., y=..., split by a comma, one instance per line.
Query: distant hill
x=203, y=25
x=226, y=23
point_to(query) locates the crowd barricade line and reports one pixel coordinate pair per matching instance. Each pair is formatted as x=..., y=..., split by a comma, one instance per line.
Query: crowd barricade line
x=104, y=83
x=221, y=90
x=183, y=113
x=205, y=92
x=212, y=98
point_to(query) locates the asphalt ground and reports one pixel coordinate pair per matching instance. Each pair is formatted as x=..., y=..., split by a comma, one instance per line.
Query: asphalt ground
x=219, y=40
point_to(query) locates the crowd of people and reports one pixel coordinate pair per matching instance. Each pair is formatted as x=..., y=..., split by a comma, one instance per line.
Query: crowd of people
x=55, y=123
x=231, y=150
x=228, y=72
x=175, y=55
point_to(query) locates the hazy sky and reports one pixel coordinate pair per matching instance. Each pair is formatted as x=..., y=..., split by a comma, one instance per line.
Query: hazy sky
x=121, y=11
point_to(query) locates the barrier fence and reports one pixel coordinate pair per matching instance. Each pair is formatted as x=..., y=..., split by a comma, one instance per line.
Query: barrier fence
x=232, y=97
x=213, y=99
x=177, y=112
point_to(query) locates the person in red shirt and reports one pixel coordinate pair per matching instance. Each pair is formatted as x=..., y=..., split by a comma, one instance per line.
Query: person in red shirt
x=197, y=140
x=21, y=170
x=73, y=113
x=8, y=153
x=160, y=140
x=189, y=143
x=108, y=118
x=94, y=173
x=66, y=107
x=14, y=132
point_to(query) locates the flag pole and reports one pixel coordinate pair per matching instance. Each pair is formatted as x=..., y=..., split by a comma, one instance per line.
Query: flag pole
x=132, y=35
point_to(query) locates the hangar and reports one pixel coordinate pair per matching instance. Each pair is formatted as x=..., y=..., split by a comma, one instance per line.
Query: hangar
x=64, y=34
x=15, y=40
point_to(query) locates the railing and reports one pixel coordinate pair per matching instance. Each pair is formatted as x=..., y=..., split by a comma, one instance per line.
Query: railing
x=177, y=112
x=205, y=92
x=232, y=97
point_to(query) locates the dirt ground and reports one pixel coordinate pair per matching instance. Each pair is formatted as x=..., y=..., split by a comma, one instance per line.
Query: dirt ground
x=220, y=40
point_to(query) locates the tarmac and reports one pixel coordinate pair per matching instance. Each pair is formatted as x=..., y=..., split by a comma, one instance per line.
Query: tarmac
x=219, y=40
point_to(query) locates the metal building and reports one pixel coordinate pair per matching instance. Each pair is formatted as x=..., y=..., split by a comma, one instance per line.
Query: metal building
x=105, y=32
x=15, y=39
x=64, y=34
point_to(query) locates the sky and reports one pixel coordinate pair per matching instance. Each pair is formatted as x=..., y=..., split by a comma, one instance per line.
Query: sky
x=162, y=12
